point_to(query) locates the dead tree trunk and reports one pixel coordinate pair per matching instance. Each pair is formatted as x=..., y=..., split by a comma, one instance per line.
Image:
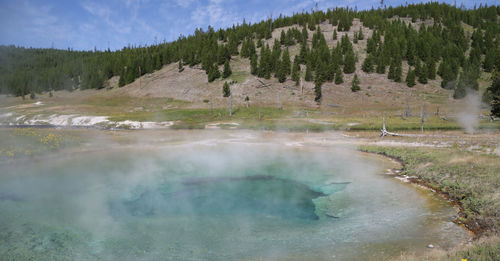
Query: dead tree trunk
x=280, y=106
x=384, y=131
x=211, y=106
x=140, y=87
x=230, y=105
x=408, y=110
x=301, y=87
x=422, y=116
x=383, y=125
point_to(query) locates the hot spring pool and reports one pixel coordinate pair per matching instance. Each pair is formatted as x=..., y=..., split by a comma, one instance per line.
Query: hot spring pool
x=231, y=198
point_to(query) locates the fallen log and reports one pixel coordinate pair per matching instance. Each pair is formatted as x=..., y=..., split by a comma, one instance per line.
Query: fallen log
x=384, y=132
x=263, y=85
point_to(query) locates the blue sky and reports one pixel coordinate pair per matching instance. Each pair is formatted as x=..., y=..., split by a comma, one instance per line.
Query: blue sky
x=85, y=24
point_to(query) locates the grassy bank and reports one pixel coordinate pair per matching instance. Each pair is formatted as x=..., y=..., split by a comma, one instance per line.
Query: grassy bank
x=470, y=179
x=289, y=119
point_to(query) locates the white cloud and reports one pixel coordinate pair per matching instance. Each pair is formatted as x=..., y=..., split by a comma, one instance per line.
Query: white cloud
x=185, y=3
x=216, y=13
x=106, y=14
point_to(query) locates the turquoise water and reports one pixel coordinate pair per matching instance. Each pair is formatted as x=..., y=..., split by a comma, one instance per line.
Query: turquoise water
x=214, y=202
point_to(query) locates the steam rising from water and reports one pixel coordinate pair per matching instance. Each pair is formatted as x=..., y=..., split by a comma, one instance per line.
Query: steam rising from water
x=211, y=197
x=468, y=115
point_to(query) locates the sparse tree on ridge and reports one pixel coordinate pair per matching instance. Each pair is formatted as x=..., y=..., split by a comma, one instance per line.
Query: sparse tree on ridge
x=227, y=70
x=317, y=91
x=367, y=65
x=253, y=65
x=461, y=56
x=180, y=67
x=226, y=90
x=355, y=84
x=296, y=71
x=308, y=77
x=339, y=77
x=410, y=78
x=350, y=62
x=494, y=91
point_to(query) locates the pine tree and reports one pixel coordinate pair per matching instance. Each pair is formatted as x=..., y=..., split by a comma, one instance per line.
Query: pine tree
x=259, y=43
x=303, y=53
x=308, y=77
x=280, y=72
x=286, y=64
x=380, y=66
x=253, y=65
x=360, y=34
x=494, y=91
x=181, y=68
x=431, y=69
x=227, y=70
x=489, y=60
x=418, y=67
x=296, y=71
x=283, y=37
x=213, y=73
x=355, y=84
x=331, y=68
x=392, y=70
x=337, y=58
x=275, y=56
x=350, y=62
x=371, y=45
x=345, y=44
x=447, y=75
x=422, y=74
x=311, y=24
x=265, y=65
x=226, y=91
x=410, y=78
x=321, y=72
x=334, y=34
x=467, y=81
x=121, y=81
x=305, y=35
x=367, y=66
x=411, y=53
x=398, y=74
x=317, y=92
x=221, y=55
x=339, y=76
x=460, y=88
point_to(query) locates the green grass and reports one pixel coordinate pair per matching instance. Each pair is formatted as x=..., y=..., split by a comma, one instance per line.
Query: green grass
x=287, y=119
x=487, y=251
x=287, y=125
x=198, y=116
x=396, y=123
x=239, y=77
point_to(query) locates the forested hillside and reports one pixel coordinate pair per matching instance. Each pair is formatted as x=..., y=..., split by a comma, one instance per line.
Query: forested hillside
x=437, y=41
